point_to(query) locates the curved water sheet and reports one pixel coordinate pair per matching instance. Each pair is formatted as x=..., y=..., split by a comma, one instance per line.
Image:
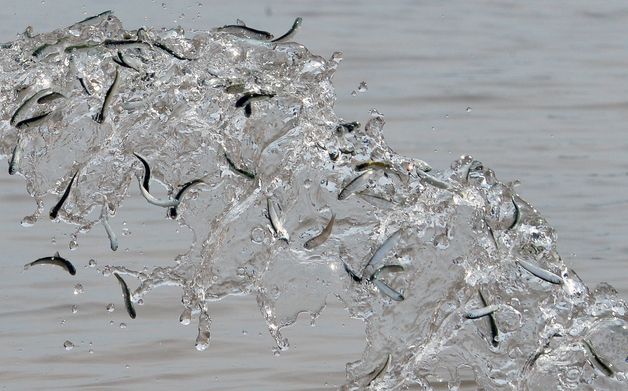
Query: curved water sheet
x=417, y=254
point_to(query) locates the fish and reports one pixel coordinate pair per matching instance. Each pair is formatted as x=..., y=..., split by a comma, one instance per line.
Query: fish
x=385, y=269
x=355, y=184
x=121, y=61
x=80, y=79
x=373, y=164
x=378, y=371
x=93, y=20
x=156, y=201
x=245, y=31
x=291, y=32
x=383, y=250
x=480, y=312
x=28, y=103
x=146, y=180
x=351, y=273
x=127, y=296
x=387, y=290
x=492, y=322
x=55, y=209
x=348, y=126
x=323, y=236
x=247, y=174
x=57, y=260
x=602, y=365
x=540, y=273
x=104, y=216
x=16, y=156
x=276, y=221
x=246, y=99
x=436, y=182
x=125, y=44
x=52, y=96
x=171, y=52
x=32, y=122
x=100, y=117
x=172, y=212
x=517, y=215
x=82, y=46
x=48, y=48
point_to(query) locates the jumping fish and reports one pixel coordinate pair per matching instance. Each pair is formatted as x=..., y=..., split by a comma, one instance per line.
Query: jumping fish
x=247, y=174
x=54, y=260
x=355, y=184
x=127, y=296
x=28, y=103
x=386, y=269
x=436, y=182
x=171, y=52
x=93, y=20
x=387, y=290
x=492, y=321
x=246, y=100
x=80, y=79
x=381, y=252
x=517, y=216
x=245, y=31
x=540, y=273
x=155, y=201
x=172, y=212
x=146, y=180
x=100, y=117
x=125, y=44
x=323, y=236
x=122, y=62
x=50, y=97
x=16, y=156
x=55, y=209
x=373, y=164
x=378, y=371
x=33, y=122
x=276, y=221
x=602, y=365
x=291, y=32
x=480, y=312
x=104, y=216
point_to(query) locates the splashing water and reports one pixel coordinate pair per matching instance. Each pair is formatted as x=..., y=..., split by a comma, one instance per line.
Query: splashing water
x=451, y=242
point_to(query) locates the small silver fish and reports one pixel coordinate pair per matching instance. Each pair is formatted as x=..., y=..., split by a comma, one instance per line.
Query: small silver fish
x=51, y=97
x=155, y=201
x=387, y=290
x=540, y=273
x=355, y=184
x=242, y=30
x=16, y=157
x=378, y=371
x=386, y=269
x=28, y=103
x=54, y=260
x=172, y=212
x=323, y=236
x=127, y=296
x=93, y=20
x=100, y=117
x=601, y=364
x=383, y=250
x=104, y=216
x=437, y=182
x=517, y=216
x=291, y=32
x=480, y=312
x=146, y=179
x=492, y=322
x=33, y=122
x=55, y=209
x=276, y=221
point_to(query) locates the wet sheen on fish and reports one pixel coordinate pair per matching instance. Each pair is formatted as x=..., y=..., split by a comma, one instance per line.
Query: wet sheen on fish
x=276, y=222
x=100, y=117
x=56, y=260
x=172, y=212
x=55, y=209
x=540, y=273
x=323, y=236
x=355, y=184
x=127, y=296
x=291, y=32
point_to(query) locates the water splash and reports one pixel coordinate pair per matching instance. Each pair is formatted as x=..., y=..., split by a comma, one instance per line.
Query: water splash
x=462, y=233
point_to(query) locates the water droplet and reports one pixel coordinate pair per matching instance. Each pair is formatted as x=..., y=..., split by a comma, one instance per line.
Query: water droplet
x=257, y=235
x=127, y=366
x=110, y=307
x=74, y=309
x=92, y=263
x=468, y=109
x=241, y=271
x=126, y=232
x=78, y=289
x=307, y=183
x=186, y=317
x=354, y=93
x=111, y=323
x=363, y=87
x=91, y=351
x=28, y=221
x=68, y=345
x=276, y=352
x=123, y=325
x=53, y=240
x=73, y=244
x=244, y=332
x=62, y=323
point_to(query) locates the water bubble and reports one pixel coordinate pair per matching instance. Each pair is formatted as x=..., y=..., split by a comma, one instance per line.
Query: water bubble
x=241, y=271
x=78, y=289
x=363, y=87
x=468, y=109
x=123, y=325
x=53, y=240
x=28, y=221
x=74, y=309
x=244, y=332
x=91, y=351
x=73, y=244
x=92, y=263
x=110, y=307
x=126, y=232
x=111, y=323
x=68, y=345
x=186, y=317
x=62, y=322
x=257, y=235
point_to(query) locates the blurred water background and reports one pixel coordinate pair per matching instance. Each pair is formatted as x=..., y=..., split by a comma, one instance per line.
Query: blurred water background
x=535, y=90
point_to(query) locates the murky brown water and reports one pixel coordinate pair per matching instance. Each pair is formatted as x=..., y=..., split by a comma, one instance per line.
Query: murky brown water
x=546, y=90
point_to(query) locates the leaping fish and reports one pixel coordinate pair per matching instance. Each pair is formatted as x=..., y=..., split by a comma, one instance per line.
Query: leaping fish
x=387, y=290
x=100, y=117
x=146, y=180
x=156, y=201
x=276, y=221
x=172, y=212
x=602, y=365
x=247, y=174
x=377, y=372
x=127, y=296
x=540, y=273
x=54, y=260
x=492, y=321
x=323, y=236
x=245, y=31
x=355, y=184
x=104, y=216
x=16, y=157
x=382, y=251
x=55, y=209
x=291, y=32
x=517, y=216
x=480, y=312
x=33, y=122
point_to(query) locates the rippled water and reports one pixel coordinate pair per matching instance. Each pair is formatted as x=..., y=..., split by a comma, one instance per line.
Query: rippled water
x=453, y=241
